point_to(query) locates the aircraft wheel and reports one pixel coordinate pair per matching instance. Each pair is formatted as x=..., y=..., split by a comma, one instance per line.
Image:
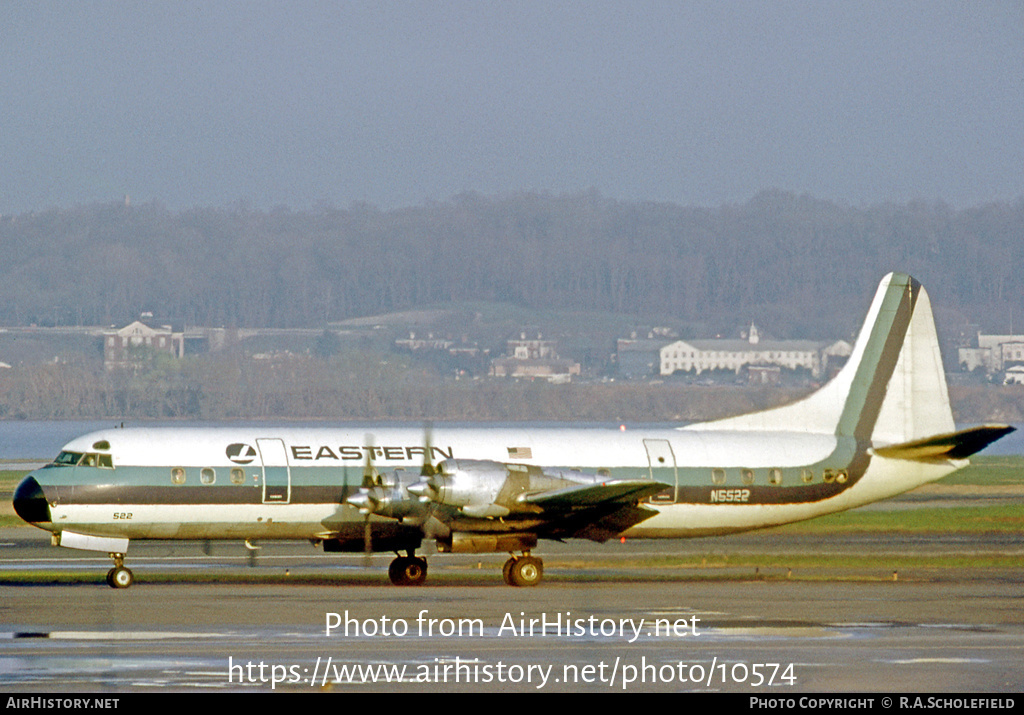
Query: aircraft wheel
x=408, y=571
x=506, y=571
x=120, y=577
x=526, y=571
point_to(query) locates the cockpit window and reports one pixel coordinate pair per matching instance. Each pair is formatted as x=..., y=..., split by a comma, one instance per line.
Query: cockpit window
x=89, y=459
x=68, y=459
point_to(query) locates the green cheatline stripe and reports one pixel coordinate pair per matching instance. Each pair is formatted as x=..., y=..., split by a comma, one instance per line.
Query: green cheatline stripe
x=881, y=353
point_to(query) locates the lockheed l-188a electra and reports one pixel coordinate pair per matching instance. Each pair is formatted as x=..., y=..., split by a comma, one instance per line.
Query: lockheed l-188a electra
x=881, y=427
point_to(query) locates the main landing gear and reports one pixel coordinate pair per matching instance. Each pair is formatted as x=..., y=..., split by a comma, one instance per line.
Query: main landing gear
x=408, y=570
x=119, y=576
x=523, y=570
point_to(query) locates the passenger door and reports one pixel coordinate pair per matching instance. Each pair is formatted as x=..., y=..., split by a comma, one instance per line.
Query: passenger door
x=277, y=476
x=662, y=463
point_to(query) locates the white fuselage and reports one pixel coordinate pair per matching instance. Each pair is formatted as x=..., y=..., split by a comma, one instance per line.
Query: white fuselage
x=207, y=484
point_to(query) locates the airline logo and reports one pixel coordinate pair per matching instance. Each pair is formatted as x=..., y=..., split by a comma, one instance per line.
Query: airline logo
x=240, y=453
x=372, y=453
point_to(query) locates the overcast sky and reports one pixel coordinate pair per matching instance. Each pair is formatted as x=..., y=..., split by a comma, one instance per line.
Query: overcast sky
x=395, y=103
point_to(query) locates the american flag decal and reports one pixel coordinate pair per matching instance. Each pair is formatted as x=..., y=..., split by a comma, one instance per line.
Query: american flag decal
x=520, y=453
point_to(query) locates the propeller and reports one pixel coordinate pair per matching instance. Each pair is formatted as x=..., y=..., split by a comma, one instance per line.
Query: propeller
x=374, y=496
x=371, y=477
x=428, y=469
x=367, y=541
x=426, y=488
x=368, y=497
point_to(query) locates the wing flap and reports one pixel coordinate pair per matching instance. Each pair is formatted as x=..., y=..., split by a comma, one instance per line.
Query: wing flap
x=953, y=445
x=613, y=524
x=583, y=496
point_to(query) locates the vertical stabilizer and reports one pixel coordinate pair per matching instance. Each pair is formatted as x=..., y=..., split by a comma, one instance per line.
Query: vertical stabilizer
x=893, y=387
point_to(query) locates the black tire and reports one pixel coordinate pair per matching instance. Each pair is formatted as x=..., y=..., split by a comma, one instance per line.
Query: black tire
x=415, y=572
x=120, y=577
x=527, y=571
x=396, y=570
x=408, y=571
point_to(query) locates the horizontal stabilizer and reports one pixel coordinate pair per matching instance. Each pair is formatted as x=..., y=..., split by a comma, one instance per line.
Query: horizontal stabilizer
x=592, y=495
x=955, y=445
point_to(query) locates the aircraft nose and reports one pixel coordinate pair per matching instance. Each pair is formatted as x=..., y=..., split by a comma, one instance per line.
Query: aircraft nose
x=30, y=502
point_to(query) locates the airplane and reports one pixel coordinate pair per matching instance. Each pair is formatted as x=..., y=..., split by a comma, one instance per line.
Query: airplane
x=880, y=427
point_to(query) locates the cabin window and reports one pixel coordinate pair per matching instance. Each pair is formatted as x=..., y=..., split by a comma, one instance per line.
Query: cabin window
x=747, y=476
x=829, y=476
x=718, y=476
x=841, y=476
x=238, y=476
x=604, y=472
x=177, y=475
x=207, y=476
x=807, y=475
x=775, y=476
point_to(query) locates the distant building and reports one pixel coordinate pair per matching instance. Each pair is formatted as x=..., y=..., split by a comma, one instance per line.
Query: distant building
x=533, y=358
x=463, y=355
x=639, y=358
x=525, y=348
x=992, y=353
x=125, y=347
x=764, y=374
x=414, y=342
x=1014, y=375
x=718, y=354
x=551, y=369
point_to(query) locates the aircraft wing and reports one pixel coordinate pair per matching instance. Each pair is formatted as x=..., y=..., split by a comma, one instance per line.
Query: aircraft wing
x=470, y=494
x=597, y=512
x=582, y=496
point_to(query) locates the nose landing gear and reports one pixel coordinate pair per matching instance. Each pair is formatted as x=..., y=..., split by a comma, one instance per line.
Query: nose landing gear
x=119, y=576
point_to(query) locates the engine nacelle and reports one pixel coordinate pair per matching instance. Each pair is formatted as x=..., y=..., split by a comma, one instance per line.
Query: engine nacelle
x=389, y=497
x=487, y=489
x=462, y=543
x=472, y=485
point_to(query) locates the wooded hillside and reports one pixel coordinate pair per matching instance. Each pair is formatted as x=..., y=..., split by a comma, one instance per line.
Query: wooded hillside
x=794, y=262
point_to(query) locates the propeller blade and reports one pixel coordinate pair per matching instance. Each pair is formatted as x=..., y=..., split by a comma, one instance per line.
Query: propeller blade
x=370, y=475
x=428, y=469
x=367, y=541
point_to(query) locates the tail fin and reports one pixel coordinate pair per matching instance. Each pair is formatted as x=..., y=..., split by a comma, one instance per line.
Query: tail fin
x=891, y=390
